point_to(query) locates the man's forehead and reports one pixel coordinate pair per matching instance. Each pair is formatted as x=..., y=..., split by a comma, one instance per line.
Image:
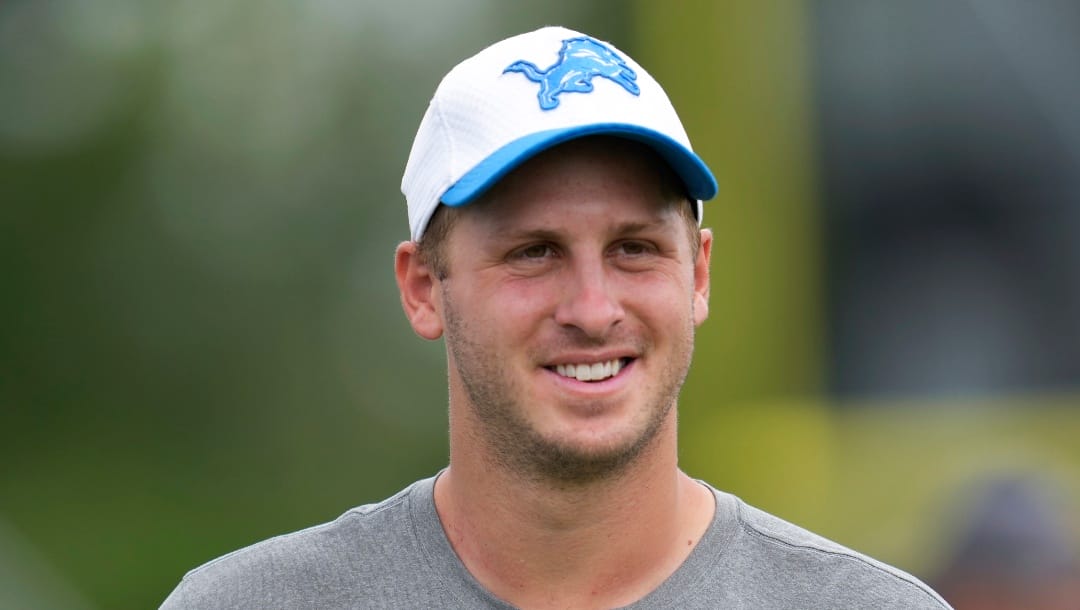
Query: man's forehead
x=506, y=226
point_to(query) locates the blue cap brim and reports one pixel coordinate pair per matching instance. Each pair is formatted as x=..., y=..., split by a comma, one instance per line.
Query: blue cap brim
x=699, y=181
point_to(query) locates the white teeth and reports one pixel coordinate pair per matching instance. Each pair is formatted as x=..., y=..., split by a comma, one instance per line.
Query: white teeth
x=590, y=372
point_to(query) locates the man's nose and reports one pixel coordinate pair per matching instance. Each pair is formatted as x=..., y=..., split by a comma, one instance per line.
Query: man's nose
x=590, y=301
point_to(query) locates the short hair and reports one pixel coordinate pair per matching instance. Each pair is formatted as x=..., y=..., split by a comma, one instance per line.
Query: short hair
x=432, y=245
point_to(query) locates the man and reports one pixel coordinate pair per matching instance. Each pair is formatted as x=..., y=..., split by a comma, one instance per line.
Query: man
x=554, y=206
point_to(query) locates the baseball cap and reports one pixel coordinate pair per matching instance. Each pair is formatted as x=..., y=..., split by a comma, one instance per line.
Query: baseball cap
x=523, y=95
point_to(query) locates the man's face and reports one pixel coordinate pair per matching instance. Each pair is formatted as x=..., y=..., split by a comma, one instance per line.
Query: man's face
x=569, y=310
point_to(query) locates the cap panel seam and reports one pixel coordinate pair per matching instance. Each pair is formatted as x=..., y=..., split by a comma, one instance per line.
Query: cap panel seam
x=448, y=180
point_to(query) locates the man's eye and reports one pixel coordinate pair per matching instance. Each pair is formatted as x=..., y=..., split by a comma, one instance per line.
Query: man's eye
x=535, y=251
x=633, y=248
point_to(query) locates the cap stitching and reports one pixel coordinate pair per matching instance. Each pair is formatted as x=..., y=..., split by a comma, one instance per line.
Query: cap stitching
x=444, y=133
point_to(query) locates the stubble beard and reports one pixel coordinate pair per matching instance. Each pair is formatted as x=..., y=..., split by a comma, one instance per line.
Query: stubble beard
x=517, y=447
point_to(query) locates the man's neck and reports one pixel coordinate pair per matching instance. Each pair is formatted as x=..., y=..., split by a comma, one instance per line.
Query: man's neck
x=602, y=544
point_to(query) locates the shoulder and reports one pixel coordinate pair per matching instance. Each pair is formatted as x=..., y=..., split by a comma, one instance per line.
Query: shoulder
x=296, y=569
x=804, y=565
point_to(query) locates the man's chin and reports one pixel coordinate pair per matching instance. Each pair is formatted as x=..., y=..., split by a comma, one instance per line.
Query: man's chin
x=581, y=462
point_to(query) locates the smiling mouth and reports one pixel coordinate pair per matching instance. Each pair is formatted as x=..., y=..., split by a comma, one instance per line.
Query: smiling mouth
x=597, y=371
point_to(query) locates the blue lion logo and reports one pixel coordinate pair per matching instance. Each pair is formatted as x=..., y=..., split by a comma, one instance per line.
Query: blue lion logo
x=580, y=60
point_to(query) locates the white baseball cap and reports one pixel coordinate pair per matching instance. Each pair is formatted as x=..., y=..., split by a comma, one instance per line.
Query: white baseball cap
x=523, y=95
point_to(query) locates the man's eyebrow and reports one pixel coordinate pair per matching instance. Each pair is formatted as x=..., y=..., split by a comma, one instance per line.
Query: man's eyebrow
x=641, y=226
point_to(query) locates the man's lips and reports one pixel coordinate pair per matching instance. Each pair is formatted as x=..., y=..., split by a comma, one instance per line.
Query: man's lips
x=591, y=371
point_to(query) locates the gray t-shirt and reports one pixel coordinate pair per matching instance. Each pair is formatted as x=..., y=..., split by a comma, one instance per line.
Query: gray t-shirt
x=394, y=554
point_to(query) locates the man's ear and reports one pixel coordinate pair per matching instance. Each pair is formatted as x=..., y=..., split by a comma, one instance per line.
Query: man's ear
x=701, y=278
x=420, y=297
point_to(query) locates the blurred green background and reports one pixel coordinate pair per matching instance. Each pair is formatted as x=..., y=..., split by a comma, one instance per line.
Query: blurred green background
x=201, y=342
